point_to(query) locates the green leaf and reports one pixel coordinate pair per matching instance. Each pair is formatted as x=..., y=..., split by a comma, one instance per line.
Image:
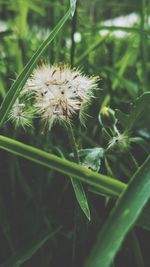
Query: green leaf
x=2, y=90
x=128, y=84
x=92, y=47
x=14, y=91
x=122, y=219
x=91, y=157
x=5, y=224
x=81, y=197
x=79, y=192
x=110, y=185
x=124, y=29
x=73, y=6
x=122, y=117
x=138, y=110
x=22, y=180
x=26, y=253
x=141, y=106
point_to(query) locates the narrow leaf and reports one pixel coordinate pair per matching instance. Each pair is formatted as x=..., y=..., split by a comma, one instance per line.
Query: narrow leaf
x=122, y=219
x=90, y=158
x=79, y=193
x=26, y=253
x=110, y=185
x=81, y=197
x=124, y=29
x=141, y=107
x=128, y=84
x=73, y=6
x=122, y=117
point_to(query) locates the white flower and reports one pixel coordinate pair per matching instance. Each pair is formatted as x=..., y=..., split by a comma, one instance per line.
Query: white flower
x=59, y=93
x=119, y=143
x=20, y=116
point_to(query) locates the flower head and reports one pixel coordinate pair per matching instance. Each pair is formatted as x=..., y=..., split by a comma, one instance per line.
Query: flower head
x=20, y=116
x=59, y=93
x=119, y=143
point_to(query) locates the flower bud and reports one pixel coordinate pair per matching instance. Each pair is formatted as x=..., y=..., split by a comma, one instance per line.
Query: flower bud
x=107, y=117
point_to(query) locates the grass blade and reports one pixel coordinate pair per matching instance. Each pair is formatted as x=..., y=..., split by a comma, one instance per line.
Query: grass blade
x=93, y=46
x=25, y=254
x=138, y=110
x=81, y=197
x=122, y=218
x=144, y=48
x=73, y=6
x=110, y=185
x=22, y=78
x=124, y=29
x=5, y=224
x=79, y=193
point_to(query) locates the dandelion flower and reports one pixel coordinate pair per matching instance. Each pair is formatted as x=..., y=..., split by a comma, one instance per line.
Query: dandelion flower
x=59, y=93
x=20, y=116
x=119, y=143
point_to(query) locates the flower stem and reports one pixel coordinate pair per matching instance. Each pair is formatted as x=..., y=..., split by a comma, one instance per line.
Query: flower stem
x=133, y=161
x=73, y=143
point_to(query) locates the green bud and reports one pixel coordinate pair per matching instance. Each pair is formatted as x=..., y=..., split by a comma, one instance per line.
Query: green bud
x=107, y=117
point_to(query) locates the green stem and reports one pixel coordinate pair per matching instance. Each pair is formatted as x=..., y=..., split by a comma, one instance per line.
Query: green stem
x=73, y=143
x=74, y=26
x=81, y=197
x=103, y=182
x=116, y=130
x=133, y=162
x=108, y=168
x=144, y=47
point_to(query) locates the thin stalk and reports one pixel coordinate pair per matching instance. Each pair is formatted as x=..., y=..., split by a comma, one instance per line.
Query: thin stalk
x=2, y=90
x=73, y=143
x=51, y=14
x=5, y=225
x=136, y=250
x=77, y=188
x=74, y=235
x=93, y=46
x=133, y=162
x=86, y=138
x=144, y=47
x=74, y=27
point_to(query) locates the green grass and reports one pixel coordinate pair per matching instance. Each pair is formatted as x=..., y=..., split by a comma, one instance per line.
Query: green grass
x=48, y=182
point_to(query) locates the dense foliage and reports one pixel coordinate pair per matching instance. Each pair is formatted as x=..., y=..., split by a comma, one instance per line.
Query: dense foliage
x=74, y=189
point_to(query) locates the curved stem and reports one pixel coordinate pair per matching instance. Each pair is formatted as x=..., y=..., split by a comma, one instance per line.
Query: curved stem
x=73, y=143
